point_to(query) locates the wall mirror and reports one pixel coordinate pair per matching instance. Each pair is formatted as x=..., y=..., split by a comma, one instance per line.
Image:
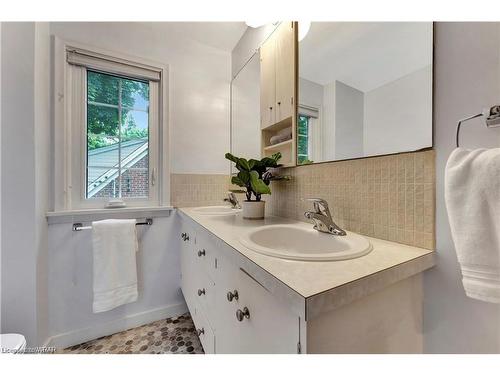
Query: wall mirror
x=245, y=111
x=364, y=89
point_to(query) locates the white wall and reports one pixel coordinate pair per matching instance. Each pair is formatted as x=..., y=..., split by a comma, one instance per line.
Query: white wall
x=70, y=283
x=42, y=177
x=199, y=86
x=401, y=108
x=310, y=93
x=250, y=41
x=349, y=116
x=467, y=77
x=25, y=133
x=1, y=196
x=328, y=122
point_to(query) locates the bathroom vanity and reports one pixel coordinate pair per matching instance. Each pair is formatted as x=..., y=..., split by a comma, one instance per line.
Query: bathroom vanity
x=242, y=301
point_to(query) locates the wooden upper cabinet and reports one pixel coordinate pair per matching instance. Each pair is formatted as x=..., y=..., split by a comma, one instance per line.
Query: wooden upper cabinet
x=278, y=82
x=267, y=83
x=285, y=71
x=277, y=75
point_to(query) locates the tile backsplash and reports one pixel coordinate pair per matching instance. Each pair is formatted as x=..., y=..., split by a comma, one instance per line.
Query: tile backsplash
x=388, y=197
x=191, y=190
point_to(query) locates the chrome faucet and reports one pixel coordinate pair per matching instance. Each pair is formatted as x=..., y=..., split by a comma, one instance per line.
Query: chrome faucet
x=322, y=218
x=231, y=198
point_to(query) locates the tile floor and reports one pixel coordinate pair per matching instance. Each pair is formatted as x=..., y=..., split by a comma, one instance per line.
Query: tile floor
x=167, y=336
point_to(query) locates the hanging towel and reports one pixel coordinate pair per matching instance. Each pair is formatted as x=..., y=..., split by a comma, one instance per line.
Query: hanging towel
x=115, y=270
x=472, y=195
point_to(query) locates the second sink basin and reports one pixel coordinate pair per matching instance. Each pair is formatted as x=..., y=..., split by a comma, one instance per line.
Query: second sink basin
x=216, y=210
x=298, y=242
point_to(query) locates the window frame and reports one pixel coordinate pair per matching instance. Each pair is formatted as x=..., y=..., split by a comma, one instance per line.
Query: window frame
x=70, y=130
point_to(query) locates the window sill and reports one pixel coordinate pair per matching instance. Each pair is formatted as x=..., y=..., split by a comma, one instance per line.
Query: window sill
x=88, y=215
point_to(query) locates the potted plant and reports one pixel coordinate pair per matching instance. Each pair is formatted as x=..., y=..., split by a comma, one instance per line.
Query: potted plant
x=255, y=177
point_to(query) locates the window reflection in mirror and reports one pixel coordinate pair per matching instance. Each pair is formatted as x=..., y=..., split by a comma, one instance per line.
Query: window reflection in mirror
x=365, y=89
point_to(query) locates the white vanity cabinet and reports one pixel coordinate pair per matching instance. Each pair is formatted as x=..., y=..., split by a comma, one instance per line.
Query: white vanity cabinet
x=377, y=298
x=250, y=319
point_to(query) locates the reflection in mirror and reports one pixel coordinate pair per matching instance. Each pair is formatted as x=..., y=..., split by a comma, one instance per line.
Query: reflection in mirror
x=365, y=89
x=245, y=111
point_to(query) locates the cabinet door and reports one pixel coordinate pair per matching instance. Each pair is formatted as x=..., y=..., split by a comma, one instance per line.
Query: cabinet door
x=271, y=326
x=285, y=70
x=188, y=263
x=267, y=83
x=226, y=324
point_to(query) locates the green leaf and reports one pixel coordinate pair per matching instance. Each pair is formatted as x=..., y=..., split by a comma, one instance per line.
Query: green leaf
x=231, y=157
x=236, y=181
x=252, y=163
x=243, y=163
x=258, y=186
x=244, y=176
x=272, y=161
x=276, y=156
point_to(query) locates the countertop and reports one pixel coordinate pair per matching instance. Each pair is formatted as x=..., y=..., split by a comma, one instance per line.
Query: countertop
x=319, y=281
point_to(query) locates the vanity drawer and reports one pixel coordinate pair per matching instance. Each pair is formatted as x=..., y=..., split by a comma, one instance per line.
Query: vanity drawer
x=203, y=329
x=187, y=266
x=205, y=248
x=204, y=294
x=197, y=286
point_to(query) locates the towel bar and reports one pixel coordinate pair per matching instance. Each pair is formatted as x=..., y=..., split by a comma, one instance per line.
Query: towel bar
x=491, y=118
x=77, y=227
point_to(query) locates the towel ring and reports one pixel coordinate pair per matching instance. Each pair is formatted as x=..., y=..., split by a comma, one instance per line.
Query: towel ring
x=492, y=120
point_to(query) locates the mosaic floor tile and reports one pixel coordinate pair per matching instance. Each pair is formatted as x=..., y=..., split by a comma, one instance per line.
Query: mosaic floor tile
x=167, y=336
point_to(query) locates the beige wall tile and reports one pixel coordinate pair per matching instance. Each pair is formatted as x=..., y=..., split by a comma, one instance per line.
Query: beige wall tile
x=190, y=190
x=389, y=197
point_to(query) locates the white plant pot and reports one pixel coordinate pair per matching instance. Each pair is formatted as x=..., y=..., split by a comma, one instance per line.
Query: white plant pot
x=253, y=209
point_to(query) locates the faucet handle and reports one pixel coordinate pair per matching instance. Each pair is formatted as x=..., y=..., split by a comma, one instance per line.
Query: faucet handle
x=318, y=202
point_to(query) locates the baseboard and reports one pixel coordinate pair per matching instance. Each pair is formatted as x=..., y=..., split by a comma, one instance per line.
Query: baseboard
x=71, y=338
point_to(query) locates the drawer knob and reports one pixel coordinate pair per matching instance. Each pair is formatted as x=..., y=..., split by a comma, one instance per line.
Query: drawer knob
x=201, y=253
x=185, y=237
x=232, y=295
x=200, y=332
x=242, y=314
x=201, y=292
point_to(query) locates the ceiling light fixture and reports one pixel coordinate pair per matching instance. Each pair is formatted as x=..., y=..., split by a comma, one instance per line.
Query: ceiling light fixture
x=255, y=24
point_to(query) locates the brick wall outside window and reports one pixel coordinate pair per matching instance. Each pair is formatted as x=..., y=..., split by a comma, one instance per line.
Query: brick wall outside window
x=135, y=182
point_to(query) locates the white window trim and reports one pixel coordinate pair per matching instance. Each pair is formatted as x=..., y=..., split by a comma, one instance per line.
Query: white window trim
x=66, y=164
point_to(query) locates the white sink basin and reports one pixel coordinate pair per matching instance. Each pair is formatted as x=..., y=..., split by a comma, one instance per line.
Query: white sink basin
x=298, y=242
x=216, y=210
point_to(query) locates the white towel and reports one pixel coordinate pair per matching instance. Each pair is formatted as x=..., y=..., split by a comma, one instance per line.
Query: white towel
x=115, y=270
x=281, y=136
x=472, y=194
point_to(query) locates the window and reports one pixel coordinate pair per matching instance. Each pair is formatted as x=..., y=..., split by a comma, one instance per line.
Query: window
x=303, y=139
x=117, y=137
x=110, y=120
x=308, y=127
